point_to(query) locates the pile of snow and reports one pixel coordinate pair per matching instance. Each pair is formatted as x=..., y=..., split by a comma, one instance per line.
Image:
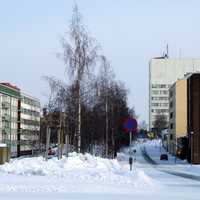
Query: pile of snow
x=85, y=168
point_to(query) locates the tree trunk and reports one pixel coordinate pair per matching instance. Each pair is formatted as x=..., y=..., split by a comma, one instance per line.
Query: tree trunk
x=79, y=120
x=66, y=145
x=106, y=141
x=48, y=132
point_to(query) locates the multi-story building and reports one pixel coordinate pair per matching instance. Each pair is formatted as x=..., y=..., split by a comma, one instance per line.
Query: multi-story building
x=163, y=72
x=19, y=120
x=9, y=116
x=177, y=113
x=30, y=123
x=184, y=98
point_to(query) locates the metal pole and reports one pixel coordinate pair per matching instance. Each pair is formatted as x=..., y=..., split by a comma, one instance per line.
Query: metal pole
x=191, y=146
x=130, y=140
x=175, y=158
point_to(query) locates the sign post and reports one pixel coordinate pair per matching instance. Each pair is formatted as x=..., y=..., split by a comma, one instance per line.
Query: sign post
x=130, y=138
x=130, y=163
x=130, y=126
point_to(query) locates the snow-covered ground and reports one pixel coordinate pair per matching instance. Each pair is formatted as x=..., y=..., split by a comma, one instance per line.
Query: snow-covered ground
x=87, y=177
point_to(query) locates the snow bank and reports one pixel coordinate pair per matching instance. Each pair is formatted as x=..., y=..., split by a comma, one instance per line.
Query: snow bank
x=85, y=168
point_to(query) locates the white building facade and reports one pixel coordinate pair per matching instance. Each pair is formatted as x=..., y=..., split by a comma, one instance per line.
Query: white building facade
x=163, y=72
x=30, y=123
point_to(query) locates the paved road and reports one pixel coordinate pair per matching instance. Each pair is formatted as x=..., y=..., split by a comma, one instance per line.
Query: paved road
x=169, y=171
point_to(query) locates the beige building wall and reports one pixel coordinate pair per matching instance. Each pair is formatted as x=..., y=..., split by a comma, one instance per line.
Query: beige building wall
x=177, y=113
x=181, y=108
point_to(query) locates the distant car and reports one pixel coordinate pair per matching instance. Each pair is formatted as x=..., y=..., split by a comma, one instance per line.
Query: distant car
x=163, y=157
x=51, y=151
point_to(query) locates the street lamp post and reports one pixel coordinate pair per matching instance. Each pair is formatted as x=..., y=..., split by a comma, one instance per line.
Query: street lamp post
x=175, y=158
x=191, y=146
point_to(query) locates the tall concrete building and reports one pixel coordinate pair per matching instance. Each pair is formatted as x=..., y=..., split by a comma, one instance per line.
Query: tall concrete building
x=163, y=72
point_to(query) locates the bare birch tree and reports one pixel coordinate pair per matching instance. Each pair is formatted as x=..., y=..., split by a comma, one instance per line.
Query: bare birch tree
x=79, y=55
x=106, y=77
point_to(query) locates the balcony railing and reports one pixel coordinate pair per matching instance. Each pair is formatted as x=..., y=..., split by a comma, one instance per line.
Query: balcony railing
x=5, y=105
x=6, y=118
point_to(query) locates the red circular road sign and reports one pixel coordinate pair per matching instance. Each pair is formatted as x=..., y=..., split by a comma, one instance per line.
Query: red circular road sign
x=130, y=125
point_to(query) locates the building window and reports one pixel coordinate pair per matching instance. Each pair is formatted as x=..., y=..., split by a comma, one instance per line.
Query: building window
x=171, y=126
x=162, y=86
x=171, y=94
x=154, y=98
x=163, y=91
x=164, y=98
x=155, y=92
x=159, y=98
x=159, y=86
x=155, y=104
x=154, y=86
x=171, y=115
x=165, y=104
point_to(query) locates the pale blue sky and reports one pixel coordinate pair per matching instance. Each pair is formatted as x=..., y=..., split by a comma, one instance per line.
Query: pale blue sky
x=129, y=31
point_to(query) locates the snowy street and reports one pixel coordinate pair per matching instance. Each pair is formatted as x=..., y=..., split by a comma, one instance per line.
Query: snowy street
x=87, y=177
x=100, y=100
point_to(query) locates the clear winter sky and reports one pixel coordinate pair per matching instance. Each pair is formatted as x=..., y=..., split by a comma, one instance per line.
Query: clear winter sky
x=129, y=31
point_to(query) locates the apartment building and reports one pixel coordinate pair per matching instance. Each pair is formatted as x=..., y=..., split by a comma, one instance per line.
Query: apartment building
x=177, y=113
x=9, y=105
x=184, y=117
x=19, y=120
x=30, y=123
x=163, y=72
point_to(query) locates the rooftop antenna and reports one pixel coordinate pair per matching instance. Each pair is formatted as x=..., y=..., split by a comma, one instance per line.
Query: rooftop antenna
x=167, y=55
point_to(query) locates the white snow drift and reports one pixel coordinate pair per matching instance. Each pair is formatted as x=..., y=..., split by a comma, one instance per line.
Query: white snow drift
x=80, y=167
